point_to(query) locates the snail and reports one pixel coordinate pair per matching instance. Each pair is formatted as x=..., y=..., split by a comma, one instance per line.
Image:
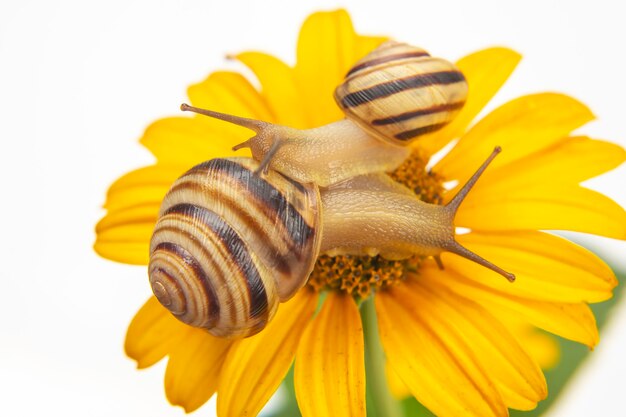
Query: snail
x=391, y=97
x=230, y=244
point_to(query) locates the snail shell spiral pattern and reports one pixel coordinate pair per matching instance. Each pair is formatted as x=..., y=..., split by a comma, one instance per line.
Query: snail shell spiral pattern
x=399, y=92
x=225, y=238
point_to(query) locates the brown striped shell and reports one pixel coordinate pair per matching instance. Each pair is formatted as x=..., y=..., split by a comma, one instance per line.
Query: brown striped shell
x=230, y=245
x=399, y=92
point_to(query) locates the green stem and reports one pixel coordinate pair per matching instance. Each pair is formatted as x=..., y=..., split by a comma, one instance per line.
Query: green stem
x=382, y=402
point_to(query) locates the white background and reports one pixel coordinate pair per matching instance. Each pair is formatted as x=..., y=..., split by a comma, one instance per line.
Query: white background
x=80, y=80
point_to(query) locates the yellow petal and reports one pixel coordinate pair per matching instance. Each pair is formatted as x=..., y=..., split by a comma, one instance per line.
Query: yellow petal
x=187, y=141
x=330, y=364
x=547, y=267
x=127, y=244
x=137, y=196
x=574, y=321
x=123, y=236
x=232, y=93
x=139, y=214
x=435, y=363
x=327, y=48
x=486, y=71
x=133, y=203
x=396, y=386
x=521, y=127
x=152, y=334
x=569, y=161
x=142, y=186
x=278, y=87
x=255, y=367
x=193, y=369
x=543, y=207
x=543, y=347
x=540, y=345
x=519, y=378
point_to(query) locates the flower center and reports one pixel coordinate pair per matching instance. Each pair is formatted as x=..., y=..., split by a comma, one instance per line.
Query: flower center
x=360, y=275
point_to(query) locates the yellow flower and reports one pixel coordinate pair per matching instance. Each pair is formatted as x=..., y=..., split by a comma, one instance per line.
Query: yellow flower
x=455, y=338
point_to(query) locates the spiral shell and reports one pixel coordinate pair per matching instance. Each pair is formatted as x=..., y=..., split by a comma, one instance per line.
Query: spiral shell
x=230, y=245
x=399, y=92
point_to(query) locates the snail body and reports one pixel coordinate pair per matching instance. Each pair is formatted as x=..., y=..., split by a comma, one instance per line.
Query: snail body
x=230, y=245
x=391, y=97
